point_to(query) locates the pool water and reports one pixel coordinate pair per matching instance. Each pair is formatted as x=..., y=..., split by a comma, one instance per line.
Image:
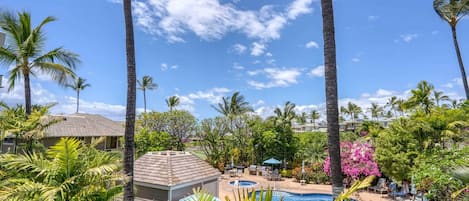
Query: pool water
x=243, y=183
x=298, y=197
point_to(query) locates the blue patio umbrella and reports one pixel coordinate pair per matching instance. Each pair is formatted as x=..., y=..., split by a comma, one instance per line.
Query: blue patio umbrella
x=272, y=161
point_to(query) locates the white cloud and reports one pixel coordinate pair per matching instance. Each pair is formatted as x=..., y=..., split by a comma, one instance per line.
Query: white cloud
x=299, y=7
x=268, y=54
x=115, y=1
x=373, y=18
x=236, y=66
x=409, y=37
x=66, y=104
x=276, y=77
x=317, y=71
x=356, y=59
x=212, y=19
x=257, y=49
x=165, y=66
x=238, y=48
x=213, y=95
x=311, y=44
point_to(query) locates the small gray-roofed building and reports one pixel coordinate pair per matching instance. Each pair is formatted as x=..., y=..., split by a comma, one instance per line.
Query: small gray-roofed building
x=86, y=127
x=172, y=175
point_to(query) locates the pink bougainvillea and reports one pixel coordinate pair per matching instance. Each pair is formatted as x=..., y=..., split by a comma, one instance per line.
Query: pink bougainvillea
x=357, y=160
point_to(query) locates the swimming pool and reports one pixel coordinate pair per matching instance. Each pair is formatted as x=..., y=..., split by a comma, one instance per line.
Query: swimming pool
x=287, y=196
x=243, y=183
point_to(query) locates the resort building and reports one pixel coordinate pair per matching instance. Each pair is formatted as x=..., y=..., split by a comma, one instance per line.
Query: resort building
x=343, y=126
x=86, y=127
x=172, y=175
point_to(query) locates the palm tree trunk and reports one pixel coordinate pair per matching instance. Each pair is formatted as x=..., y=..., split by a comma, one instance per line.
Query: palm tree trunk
x=331, y=96
x=78, y=100
x=144, y=101
x=130, y=110
x=461, y=64
x=27, y=93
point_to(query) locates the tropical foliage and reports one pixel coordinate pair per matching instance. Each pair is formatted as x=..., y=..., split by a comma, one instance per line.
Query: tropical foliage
x=26, y=130
x=69, y=170
x=179, y=124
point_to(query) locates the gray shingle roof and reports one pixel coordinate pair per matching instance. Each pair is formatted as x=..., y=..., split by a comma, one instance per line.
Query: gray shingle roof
x=84, y=125
x=171, y=168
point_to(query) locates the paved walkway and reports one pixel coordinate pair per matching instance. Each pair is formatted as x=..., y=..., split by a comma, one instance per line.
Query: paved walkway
x=225, y=189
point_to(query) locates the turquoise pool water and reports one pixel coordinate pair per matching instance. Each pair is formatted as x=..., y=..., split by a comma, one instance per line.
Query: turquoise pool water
x=299, y=197
x=243, y=183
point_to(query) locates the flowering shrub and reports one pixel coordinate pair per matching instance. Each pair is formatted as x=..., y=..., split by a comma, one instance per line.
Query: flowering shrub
x=357, y=160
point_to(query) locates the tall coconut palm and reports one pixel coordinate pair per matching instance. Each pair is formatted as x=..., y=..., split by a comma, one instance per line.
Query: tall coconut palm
x=438, y=96
x=302, y=118
x=452, y=11
x=286, y=114
x=146, y=83
x=172, y=102
x=129, y=144
x=421, y=96
x=25, y=50
x=314, y=115
x=392, y=104
x=79, y=85
x=376, y=111
x=332, y=108
x=232, y=106
x=68, y=171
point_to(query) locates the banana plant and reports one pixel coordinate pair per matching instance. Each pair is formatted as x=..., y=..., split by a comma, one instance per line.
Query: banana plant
x=357, y=185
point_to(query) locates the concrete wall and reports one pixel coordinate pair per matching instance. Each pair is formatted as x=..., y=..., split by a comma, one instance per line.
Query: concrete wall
x=151, y=193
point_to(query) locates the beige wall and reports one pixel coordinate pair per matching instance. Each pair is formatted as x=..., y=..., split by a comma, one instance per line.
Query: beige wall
x=151, y=193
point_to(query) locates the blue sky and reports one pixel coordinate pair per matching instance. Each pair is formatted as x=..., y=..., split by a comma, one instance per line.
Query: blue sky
x=270, y=51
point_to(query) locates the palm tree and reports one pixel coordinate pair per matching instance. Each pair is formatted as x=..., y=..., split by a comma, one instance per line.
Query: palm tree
x=78, y=86
x=172, y=102
x=332, y=108
x=376, y=110
x=233, y=106
x=438, y=97
x=421, y=96
x=68, y=171
x=302, y=118
x=392, y=104
x=146, y=83
x=314, y=115
x=452, y=11
x=285, y=115
x=26, y=52
x=129, y=145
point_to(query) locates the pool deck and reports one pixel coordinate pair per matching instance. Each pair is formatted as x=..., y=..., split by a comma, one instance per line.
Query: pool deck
x=290, y=185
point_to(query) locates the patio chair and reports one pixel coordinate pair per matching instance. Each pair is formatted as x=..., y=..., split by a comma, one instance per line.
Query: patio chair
x=275, y=175
x=253, y=170
x=394, y=193
x=380, y=186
